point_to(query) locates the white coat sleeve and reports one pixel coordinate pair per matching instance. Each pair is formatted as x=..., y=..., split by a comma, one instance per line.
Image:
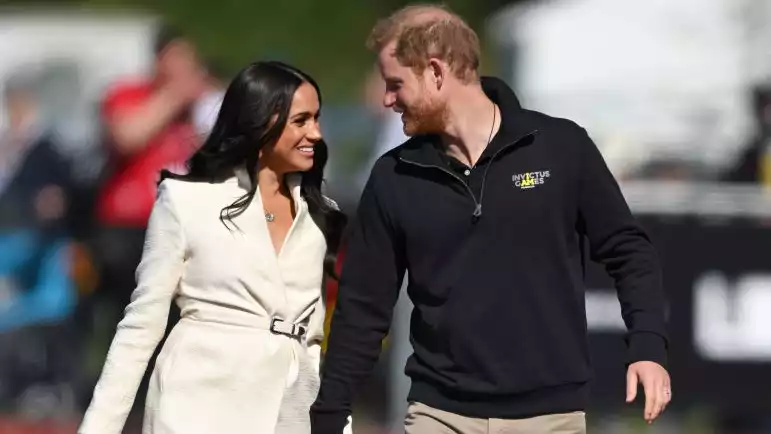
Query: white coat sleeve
x=144, y=320
x=318, y=317
x=316, y=333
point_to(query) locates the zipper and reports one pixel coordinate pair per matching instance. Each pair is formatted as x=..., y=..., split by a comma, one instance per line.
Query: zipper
x=492, y=159
x=477, y=203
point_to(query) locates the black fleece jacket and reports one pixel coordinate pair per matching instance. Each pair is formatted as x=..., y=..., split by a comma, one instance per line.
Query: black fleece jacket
x=495, y=256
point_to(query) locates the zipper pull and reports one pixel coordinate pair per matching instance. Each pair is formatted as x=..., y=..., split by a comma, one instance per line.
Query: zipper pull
x=478, y=211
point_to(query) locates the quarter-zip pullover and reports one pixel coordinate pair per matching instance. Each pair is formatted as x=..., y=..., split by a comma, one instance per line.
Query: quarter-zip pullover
x=496, y=266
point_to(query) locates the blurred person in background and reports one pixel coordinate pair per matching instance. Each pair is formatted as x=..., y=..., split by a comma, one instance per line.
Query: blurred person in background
x=241, y=243
x=488, y=207
x=149, y=128
x=37, y=296
x=754, y=165
x=34, y=176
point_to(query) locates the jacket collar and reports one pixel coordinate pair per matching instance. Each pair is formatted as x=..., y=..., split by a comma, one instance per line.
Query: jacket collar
x=425, y=149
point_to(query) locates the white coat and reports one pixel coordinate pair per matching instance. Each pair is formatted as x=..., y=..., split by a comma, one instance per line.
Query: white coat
x=221, y=370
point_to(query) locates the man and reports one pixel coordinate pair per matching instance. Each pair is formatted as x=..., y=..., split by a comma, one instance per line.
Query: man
x=487, y=206
x=149, y=126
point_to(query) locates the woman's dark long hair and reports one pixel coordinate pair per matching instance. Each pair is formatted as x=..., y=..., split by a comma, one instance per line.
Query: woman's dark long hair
x=253, y=115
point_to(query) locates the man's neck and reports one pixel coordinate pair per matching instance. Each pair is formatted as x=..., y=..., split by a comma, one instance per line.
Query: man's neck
x=472, y=121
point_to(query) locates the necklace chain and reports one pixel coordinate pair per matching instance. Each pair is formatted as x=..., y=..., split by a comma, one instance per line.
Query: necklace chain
x=492, y=127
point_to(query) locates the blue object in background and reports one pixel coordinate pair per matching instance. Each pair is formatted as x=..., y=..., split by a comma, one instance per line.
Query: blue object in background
x=35, y=286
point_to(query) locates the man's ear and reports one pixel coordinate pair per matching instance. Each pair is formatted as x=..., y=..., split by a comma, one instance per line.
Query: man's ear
x=438, y=70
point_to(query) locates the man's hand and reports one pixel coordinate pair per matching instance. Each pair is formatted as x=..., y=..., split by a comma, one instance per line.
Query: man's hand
x=657, y=386
x=189, y=86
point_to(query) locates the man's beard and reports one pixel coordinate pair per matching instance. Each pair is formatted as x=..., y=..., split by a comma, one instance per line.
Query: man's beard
x=425, y=117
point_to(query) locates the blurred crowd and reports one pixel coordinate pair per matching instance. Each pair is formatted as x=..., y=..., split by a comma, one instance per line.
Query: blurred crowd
x=70, y=244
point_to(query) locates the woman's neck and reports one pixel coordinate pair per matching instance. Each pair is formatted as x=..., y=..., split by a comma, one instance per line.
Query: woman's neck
x=271, y=182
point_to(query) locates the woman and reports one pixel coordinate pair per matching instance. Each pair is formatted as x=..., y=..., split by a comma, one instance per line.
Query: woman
x=240, y=244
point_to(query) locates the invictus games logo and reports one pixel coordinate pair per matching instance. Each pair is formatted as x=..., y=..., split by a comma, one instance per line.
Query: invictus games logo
x=528, y=180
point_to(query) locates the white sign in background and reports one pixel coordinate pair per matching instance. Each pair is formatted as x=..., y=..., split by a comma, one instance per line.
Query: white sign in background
x=732, y=318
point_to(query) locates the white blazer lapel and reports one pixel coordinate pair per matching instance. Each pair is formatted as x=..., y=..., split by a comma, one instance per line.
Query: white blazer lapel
x=294, y=182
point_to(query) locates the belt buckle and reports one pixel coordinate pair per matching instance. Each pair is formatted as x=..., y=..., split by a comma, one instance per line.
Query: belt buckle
x=273, y=328
x=298, y=331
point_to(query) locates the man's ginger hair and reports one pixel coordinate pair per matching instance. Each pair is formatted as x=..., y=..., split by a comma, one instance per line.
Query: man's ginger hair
x=425, y=31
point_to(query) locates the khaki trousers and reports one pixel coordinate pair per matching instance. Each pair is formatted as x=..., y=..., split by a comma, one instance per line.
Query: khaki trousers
x=422, y=419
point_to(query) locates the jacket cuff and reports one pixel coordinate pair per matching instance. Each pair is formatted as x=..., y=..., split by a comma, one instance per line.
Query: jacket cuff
x=314, y=353
x=328, y=423
x=648, y=347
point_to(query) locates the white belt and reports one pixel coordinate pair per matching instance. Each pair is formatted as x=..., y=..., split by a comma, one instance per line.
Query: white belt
x=276, y=325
